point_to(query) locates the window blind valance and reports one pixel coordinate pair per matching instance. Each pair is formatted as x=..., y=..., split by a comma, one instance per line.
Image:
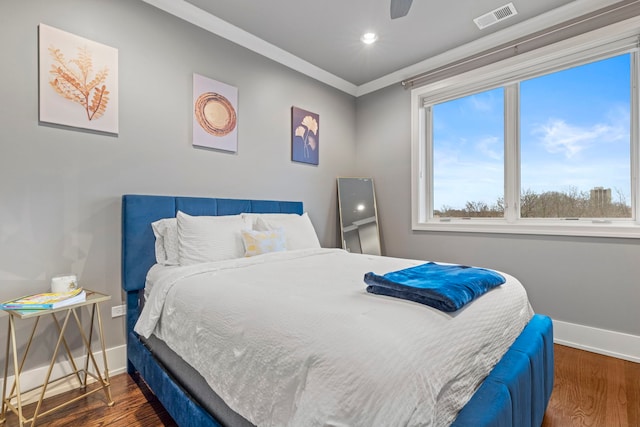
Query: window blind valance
x=601, y=18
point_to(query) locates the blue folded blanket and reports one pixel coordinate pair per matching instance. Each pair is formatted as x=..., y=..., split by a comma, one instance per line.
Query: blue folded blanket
x=445, y=287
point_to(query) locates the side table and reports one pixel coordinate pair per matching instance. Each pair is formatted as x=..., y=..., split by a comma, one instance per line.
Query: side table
x=12, y=400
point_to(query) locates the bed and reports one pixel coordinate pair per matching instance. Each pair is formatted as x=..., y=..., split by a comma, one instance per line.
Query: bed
x=515, y=392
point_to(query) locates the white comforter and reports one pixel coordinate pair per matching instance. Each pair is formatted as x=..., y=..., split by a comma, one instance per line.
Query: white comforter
x=293, y=339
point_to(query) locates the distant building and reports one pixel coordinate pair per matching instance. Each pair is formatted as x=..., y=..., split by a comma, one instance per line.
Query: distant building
x=600, y=196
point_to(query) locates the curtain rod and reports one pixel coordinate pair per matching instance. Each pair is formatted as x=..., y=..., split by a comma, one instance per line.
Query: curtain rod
x=612, y=14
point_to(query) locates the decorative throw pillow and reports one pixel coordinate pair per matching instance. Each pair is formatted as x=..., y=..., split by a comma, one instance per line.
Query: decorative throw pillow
x=166, y=232
x=210, y=238
x=262, y=242
x=298, y=229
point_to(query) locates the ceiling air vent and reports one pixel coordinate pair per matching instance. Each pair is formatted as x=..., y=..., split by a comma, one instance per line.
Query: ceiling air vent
x=495, y=16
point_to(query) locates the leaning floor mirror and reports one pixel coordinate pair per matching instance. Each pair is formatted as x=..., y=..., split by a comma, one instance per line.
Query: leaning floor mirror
x=358, y=216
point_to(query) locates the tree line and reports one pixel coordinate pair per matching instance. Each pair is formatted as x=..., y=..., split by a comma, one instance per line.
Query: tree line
x=571, y=203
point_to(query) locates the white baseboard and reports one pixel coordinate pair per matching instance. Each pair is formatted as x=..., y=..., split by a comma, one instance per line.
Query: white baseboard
x=601, y=341
x=31, y=379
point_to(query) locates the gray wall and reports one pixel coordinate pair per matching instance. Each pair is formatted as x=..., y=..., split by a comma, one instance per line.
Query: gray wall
x=587, y=281
x=60, y=189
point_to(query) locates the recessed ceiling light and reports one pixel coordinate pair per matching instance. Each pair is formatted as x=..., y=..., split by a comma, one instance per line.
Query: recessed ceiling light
x=368, y=38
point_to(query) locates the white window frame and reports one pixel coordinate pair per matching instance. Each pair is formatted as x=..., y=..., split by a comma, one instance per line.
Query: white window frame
x=606, y=42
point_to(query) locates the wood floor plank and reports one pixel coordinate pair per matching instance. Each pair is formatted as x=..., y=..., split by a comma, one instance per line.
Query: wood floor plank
x=590, y=390
x=632, y=386
x=135, y=406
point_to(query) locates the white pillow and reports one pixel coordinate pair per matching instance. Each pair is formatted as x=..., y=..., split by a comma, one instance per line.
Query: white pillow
x=298, y=229
x=262, y=242
x=253, y=217
x=210, y=238
x=166, y=232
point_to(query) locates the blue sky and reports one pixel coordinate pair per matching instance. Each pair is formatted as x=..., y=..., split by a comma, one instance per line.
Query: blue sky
x=574, y=135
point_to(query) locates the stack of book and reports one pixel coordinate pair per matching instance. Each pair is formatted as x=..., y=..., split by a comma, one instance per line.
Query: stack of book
x=45, y=301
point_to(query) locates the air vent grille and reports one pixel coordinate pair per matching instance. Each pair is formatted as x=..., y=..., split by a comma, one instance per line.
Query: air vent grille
x=495, y=16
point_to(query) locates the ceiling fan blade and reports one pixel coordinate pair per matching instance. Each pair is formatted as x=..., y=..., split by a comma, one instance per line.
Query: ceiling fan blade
x=400, y=8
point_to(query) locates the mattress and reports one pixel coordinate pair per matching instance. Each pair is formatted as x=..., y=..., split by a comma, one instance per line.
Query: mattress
x=293, y=339
x=194, y=384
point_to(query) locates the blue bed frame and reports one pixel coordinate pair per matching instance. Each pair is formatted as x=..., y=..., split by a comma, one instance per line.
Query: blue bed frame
x=515, y=393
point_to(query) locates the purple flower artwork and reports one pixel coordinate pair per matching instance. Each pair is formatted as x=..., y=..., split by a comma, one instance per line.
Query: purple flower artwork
x=305, y=136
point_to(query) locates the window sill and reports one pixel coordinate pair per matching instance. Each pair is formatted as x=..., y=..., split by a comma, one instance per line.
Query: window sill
x=618, y=229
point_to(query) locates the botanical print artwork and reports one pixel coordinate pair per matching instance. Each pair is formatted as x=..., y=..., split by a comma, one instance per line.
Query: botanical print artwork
x=215, y=118
x=78, y=81
x=305, y=136
x=93, y=94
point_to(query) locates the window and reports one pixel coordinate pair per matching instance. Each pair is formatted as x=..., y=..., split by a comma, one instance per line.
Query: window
x=468, y=156
x=575, y=142
x=547, y=144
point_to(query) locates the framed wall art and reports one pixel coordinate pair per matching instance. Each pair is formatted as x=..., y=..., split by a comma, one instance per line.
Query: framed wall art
x=305, y=136
x=215, y=116
x=78, y=81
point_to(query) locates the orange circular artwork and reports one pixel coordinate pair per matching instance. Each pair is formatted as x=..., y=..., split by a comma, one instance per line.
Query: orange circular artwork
x=215, y=114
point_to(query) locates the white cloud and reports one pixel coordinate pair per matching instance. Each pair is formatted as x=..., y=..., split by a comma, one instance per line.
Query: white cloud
x=482, y=102
x=490, y=146
x=560, y=137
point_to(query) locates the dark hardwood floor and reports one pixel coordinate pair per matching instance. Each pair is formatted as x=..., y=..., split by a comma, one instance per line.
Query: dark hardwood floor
x=593, y=390
x=590, y=390
x=134, y=406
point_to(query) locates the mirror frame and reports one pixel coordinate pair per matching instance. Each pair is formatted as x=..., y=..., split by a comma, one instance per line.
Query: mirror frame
x=341, y=205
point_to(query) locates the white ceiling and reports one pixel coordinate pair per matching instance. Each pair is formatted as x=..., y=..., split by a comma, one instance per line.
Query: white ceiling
x=321, y=38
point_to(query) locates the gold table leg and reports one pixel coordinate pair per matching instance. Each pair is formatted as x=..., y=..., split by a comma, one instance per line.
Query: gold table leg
x=52, y=364
x=15, y=390
x=3, y=414
x=104, y=382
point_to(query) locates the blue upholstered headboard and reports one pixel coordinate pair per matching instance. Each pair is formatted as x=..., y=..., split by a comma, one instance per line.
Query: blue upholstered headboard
x=138, y=241
x=139, y=211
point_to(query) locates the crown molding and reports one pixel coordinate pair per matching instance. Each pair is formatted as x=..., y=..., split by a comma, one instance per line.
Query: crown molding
x=538, y=23
x=196, y=16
